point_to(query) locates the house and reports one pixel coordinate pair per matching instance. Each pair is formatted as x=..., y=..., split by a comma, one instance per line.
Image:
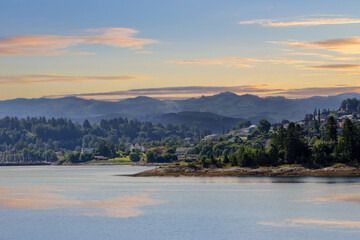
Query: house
x=349, y=116
x=137, y=147
x=211, y=136
x=242, y=132
x=87, y=150
x=100, y=158
x=181, y=151
x=190, y=141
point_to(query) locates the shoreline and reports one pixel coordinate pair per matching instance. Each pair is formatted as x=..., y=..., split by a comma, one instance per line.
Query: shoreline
x=25, y=164
x=185, y=171
x=117, y=163
x=87, y=164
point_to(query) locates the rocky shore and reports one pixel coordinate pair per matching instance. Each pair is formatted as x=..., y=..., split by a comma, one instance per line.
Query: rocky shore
x=179, y=171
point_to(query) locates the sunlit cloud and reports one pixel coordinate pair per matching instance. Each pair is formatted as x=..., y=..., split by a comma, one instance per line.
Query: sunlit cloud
x=319, y=91
x=324, y=56
x=302, y=222
x=342, y=45
x=54, y=78
x=263, y=90
x=300, y=22
x=54, y=45
x=44, y=198
x=234, y=62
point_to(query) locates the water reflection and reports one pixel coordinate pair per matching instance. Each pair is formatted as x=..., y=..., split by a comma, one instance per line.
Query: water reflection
x=323, y=223
x=43, y=197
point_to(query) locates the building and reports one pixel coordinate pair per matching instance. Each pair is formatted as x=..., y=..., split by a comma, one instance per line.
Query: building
x=87, y=150
x=137, y=147
x=190, y=141
x=211, y=136
x=181, y=151
x=242, y=132
x=98, y=158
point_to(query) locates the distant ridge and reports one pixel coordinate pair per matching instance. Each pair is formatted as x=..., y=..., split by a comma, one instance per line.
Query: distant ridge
x=226, y=104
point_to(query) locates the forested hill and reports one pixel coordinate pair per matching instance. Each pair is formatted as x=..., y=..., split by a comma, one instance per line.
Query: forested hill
x=144, y=108
x=35, y=138
x=204, y=120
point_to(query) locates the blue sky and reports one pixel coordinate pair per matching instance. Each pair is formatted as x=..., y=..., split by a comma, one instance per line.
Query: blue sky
x=177, y=44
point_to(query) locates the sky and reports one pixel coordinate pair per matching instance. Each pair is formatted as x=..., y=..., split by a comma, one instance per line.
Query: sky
x=173, y=49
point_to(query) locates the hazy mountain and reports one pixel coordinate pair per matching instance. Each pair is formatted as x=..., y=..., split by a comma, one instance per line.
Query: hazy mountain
x=215, y=122
x=144, y=108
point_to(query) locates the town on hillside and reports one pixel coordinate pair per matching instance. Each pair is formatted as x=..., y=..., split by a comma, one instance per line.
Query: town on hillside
x=322, y=138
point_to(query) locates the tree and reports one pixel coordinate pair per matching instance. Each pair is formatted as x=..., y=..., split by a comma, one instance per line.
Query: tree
x=350, y=105
x=226, y=160
x=134, y=157
x=349, y=149
x=321, y=154
x=296, y=150
x=331, y=129
x=242, y=124
x=104, y=148
x=86, y=124
x=264, y=126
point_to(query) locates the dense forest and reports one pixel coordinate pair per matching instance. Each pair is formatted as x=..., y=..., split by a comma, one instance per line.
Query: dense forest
x=321, y=139
x=38, y=139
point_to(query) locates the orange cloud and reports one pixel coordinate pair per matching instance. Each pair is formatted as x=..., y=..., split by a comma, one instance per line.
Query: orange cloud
x=342, y=45
x=52, y=78
x=263, y=90
x=325, y=56
x=300, y=221
x=301, y=22
x=237, y=62
x=53, y=45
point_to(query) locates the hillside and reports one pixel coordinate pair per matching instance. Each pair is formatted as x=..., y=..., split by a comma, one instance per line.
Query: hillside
x=204, y=120
x=144, y=108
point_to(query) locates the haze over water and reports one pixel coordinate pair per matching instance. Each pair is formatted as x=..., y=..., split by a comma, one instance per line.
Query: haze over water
x=104, y=202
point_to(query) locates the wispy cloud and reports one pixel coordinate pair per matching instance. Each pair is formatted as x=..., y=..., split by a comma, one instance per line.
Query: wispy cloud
x=55, y=45
x=53, y=78
x=324, y=56
x=235, y=62
x=336, y=67
x=342, y=45
x=196, y=91
x=300, y=222
x=300, y=22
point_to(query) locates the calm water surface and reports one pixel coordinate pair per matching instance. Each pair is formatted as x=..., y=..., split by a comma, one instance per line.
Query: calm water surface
x=103, y=202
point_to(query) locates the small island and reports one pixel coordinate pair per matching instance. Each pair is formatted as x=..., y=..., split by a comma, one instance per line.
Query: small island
x=338, y=170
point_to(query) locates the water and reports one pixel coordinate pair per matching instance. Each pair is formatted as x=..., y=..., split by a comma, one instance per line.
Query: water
x=103, y=202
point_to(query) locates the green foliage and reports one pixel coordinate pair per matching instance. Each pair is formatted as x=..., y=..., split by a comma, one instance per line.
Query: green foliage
x=27, y=140
x=350, y=105
x=331, y=129
x=242, y=124
x=105, y=148
x=134, y=157
x=156, y=155
x=264, y=126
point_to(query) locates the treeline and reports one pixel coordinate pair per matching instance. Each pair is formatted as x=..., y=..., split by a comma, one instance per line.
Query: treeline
x=288, y=146
x=37, y=139
x=350, y=105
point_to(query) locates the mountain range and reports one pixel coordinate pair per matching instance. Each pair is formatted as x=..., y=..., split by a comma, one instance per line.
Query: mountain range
x=225, y=106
